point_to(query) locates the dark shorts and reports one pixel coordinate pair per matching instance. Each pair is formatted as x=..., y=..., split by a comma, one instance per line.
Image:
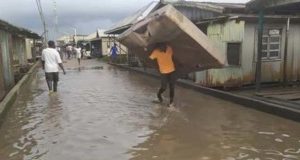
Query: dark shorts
x=52, y=76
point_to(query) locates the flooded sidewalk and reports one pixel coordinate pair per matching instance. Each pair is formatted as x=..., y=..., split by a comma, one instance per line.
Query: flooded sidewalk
x=106, y=113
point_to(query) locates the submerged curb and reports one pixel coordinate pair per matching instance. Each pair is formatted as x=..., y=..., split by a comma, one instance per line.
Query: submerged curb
x=10, y=98
x=261, y=105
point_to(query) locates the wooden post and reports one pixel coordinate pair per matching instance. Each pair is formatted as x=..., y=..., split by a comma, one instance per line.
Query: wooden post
x=259, y=50
x=286, y=53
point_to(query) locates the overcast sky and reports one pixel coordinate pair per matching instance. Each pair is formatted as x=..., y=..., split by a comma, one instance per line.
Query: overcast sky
x=84, y=15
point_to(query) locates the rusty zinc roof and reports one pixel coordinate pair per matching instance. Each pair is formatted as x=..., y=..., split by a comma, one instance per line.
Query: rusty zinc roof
x=129, y=21
x=257, y=4
x=145, y=11
x=17, y=30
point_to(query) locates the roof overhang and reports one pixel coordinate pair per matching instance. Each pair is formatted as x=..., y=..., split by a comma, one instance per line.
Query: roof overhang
x=271, y=4
x=18, y=30
x=118, y=30
x=200, y=5
x=251, y=18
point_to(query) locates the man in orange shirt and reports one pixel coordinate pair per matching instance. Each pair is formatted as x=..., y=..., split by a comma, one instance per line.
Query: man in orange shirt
x=163, y=54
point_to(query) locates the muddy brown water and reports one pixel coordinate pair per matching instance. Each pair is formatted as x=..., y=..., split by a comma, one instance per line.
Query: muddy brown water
x=108, y=114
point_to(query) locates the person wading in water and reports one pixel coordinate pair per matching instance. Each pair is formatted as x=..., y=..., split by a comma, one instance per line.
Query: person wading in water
x=51, y=62
x=163, y=54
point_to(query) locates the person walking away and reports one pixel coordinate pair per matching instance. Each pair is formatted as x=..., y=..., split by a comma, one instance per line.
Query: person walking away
x=51, y=62
x=83, y=52
x=78, y=54
x=163, y=54
x=69, y=51
x=60, y=53
x=114, y=53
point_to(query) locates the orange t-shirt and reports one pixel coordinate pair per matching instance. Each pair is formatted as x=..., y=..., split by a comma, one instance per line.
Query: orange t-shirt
x=164, y=60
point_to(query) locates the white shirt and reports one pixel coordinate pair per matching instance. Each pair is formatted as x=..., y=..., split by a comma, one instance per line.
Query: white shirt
x=52, y=59
x=78, y=52
x=69, y=48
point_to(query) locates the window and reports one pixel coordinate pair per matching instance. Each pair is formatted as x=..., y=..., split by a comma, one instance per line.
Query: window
x=233, y=53
x=271, y=44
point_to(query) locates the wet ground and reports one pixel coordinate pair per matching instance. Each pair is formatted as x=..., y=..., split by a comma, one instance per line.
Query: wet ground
x=108, y=114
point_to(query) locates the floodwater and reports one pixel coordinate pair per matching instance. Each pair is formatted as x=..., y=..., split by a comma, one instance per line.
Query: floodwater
x=108, y=114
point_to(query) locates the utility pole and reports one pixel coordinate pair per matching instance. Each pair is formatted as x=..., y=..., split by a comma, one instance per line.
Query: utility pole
x=55, y=19
x=40, y=9
x=285, y=57
x=259, y=50
x=75, y=35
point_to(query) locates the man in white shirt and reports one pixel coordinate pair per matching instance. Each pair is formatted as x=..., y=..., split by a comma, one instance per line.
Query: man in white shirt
x=69, y=51
x=78, y=53
x=51, y=62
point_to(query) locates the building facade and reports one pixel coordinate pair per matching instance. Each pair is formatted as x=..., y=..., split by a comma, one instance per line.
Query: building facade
x=237, y=38
x=13, y=54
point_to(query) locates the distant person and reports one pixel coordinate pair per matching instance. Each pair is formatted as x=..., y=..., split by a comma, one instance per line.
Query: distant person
x=51, y=62
x=60, y=52
x=163, y=54
x=77, y=53
x=83, y=52
x=69, y=51
x=113, y=53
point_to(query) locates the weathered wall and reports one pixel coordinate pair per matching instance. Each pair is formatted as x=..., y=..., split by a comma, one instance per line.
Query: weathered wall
x=29, y=49
x=222, y=34
x=2, y=85
x=107, y=43
x=6, y=63
x=195, y=14
x=19, y=51
x=276, y=3
x=294, y=53
x=246, y=33
x=272, y=70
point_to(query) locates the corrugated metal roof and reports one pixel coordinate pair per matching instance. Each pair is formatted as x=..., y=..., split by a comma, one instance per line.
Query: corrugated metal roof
x=18, y=30
x=217, y=8
x=250, y=17
x=200, y=5
x=256, y=4
x=139, y=15
x=98, y=34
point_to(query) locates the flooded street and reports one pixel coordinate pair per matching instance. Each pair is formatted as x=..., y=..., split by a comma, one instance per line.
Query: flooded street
x=108, y=114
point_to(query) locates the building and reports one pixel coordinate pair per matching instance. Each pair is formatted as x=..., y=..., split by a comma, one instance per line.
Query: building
x=13, y=54
x=195, y=11
x=279, y=7
x=233, y=27
x=71, y=39
x=101, y=43
x=236, y=36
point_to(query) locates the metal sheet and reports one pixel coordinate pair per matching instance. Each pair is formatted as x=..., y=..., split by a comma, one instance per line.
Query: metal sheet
x=191, y=46
x=5, y=39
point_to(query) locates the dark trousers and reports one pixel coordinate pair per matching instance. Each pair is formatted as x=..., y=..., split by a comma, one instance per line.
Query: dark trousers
x=52, y=78
x=166, y=79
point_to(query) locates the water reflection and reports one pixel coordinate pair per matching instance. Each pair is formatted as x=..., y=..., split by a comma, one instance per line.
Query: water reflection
x=108, y=114
x=33, y=121
x=217, y=130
